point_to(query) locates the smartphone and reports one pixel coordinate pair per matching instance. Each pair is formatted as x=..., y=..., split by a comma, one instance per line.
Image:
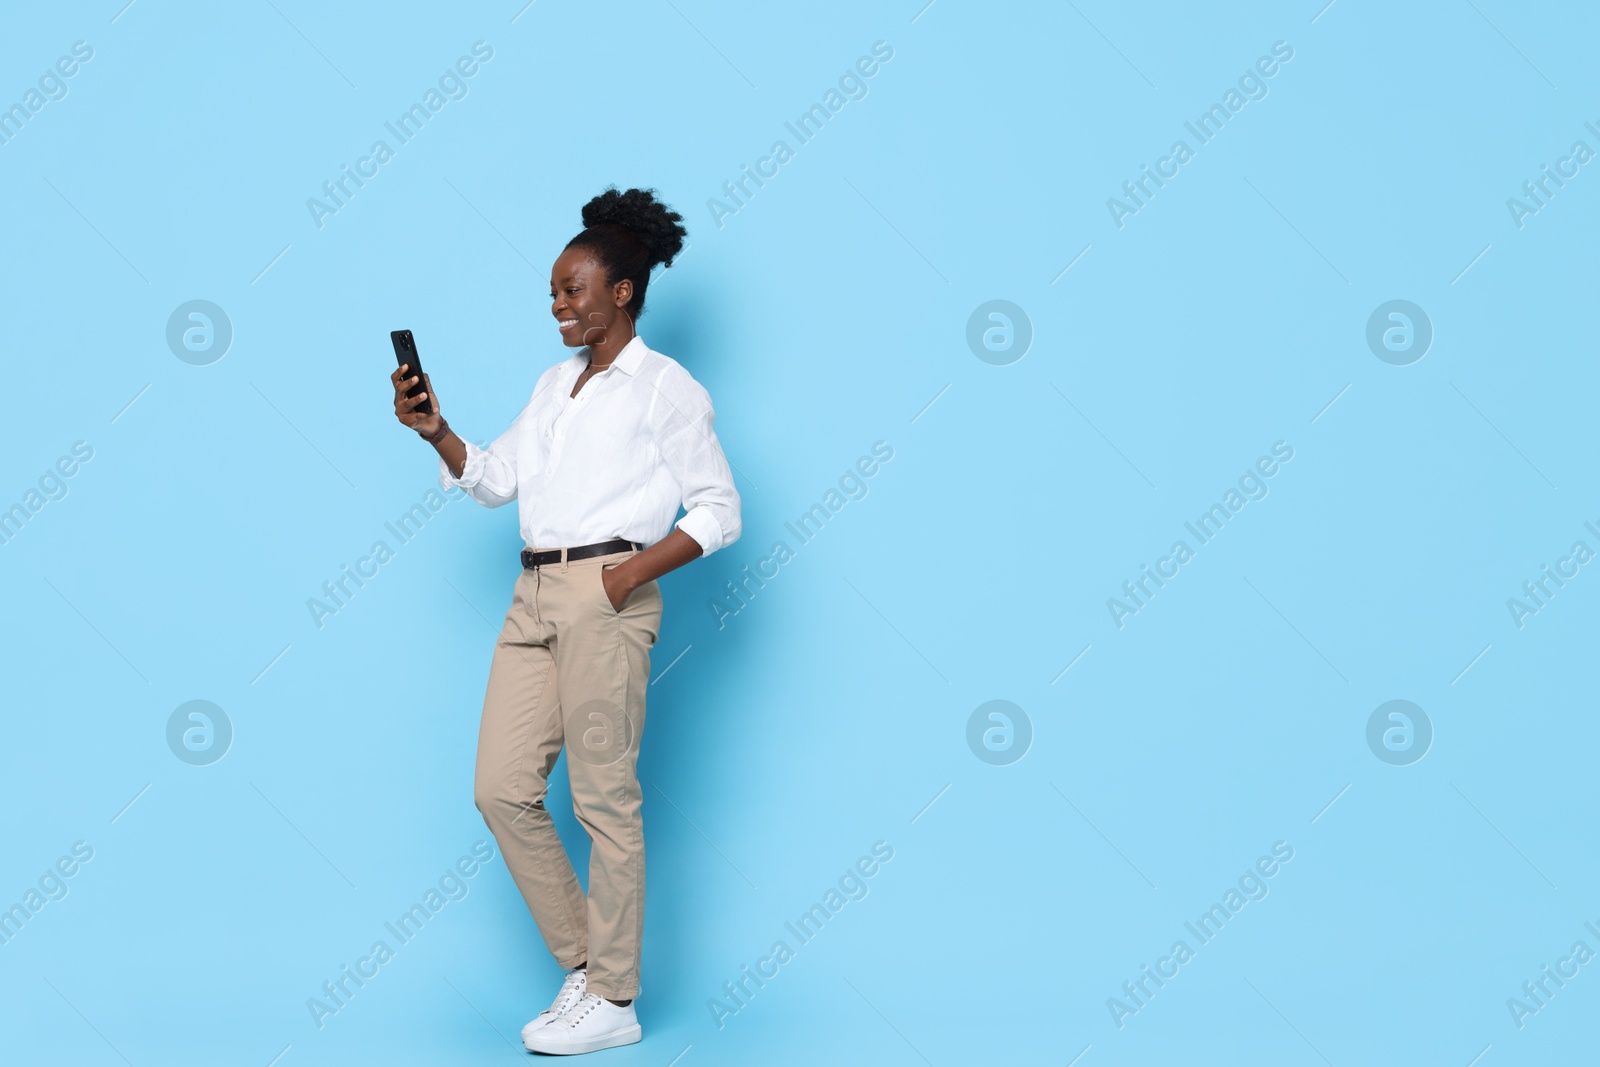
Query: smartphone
x=405, y=351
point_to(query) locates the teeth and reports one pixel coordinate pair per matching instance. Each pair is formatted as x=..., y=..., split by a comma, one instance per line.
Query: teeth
x=569, y=322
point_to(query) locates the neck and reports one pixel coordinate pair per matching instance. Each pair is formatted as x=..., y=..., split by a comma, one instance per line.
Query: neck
x=612, y=342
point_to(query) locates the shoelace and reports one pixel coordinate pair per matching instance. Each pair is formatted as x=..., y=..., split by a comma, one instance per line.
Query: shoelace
x=569, y=995
x=576, y=1014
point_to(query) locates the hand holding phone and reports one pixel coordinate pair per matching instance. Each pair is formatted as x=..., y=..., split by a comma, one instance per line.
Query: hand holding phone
x=413, y=391
x=405, y=354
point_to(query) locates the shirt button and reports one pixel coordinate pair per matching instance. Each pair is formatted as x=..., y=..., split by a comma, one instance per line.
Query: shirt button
x=549, y=470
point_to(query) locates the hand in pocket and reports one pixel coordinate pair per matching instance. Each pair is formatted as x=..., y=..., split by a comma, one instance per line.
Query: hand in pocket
x=616, y=589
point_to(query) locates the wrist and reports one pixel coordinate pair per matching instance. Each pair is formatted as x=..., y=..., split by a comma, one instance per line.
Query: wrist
x=625, y=571
x=439, y=434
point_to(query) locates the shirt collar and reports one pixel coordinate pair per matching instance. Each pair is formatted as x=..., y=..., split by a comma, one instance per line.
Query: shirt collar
x=627, y=360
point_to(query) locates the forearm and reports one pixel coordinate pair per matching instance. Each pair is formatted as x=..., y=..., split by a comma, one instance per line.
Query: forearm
x=667, y=554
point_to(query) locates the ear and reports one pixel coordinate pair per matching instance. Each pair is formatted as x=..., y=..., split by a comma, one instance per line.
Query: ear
x=622, y=292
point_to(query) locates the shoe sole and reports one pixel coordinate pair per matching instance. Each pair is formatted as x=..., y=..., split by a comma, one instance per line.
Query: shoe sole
x=626, y=1036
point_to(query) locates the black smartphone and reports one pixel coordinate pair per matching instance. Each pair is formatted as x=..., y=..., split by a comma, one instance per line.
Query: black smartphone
x=405, y=351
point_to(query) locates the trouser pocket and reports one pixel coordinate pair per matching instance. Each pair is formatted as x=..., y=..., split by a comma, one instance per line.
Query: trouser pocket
x=607, y=563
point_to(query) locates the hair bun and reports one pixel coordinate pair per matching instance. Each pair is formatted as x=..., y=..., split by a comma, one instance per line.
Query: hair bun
x=638, y=210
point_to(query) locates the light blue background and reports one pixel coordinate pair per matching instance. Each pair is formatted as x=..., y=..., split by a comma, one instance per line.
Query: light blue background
x=1228, y=314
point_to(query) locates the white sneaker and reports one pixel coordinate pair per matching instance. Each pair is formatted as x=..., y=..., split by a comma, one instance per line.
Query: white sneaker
x=572, y=988
x=593, y=1023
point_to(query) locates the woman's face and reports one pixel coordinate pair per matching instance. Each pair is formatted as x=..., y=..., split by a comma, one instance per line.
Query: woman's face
x=584, y=306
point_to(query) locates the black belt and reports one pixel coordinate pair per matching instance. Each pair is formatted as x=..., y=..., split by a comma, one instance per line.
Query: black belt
x=530, y=558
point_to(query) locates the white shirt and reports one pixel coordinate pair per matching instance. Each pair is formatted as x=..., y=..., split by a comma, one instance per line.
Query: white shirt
x=614, y=461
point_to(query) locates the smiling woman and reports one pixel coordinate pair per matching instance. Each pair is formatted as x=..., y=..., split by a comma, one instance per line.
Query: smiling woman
x=615, y=439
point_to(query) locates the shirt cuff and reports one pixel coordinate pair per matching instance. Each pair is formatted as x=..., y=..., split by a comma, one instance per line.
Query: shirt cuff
x=471, y=471
x=701, y=524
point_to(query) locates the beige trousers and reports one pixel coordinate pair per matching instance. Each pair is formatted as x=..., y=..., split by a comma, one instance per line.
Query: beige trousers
x=571, y=670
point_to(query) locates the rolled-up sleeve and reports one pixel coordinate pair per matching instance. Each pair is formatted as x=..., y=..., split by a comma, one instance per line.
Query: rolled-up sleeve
x=689, y=446
x=490, y=475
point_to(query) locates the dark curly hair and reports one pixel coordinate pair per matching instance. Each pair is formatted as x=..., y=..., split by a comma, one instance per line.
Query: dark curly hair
x=629, y=233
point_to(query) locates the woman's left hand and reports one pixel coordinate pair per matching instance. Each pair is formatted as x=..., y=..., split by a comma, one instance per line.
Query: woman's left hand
x=617, y=587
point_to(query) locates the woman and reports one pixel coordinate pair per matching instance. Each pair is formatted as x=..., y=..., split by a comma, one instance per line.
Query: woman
x=614, y=439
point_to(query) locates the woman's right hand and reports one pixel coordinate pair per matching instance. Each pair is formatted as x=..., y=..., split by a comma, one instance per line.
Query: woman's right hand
x=403, y=380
